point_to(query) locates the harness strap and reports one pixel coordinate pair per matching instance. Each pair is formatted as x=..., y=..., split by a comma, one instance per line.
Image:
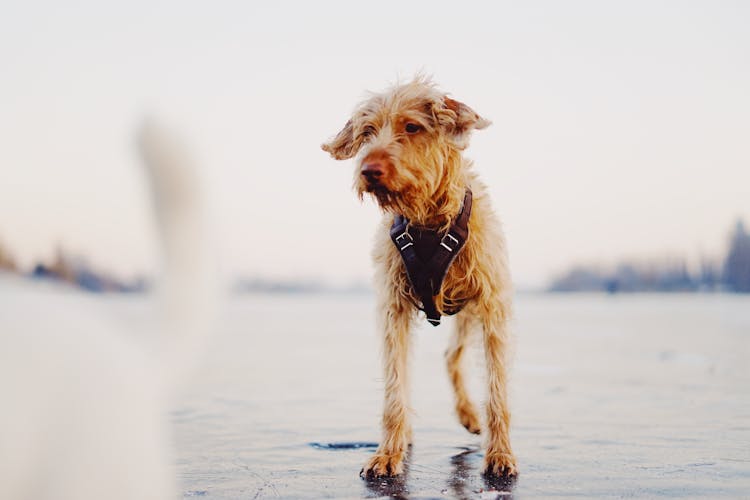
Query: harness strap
x=426, y=277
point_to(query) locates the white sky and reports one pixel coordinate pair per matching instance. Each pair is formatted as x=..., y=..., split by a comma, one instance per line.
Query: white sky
x=620, y=128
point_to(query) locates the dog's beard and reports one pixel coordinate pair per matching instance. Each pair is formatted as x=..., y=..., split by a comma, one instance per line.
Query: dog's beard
x=384, y=197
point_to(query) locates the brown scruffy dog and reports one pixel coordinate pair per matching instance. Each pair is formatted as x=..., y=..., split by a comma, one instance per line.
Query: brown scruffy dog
x=409, y=142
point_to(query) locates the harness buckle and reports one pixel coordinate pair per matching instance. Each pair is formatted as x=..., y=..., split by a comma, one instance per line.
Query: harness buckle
x=402, y=237
x=449, y=242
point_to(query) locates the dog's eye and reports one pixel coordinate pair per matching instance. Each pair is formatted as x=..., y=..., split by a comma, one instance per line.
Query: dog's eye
x=412, y=128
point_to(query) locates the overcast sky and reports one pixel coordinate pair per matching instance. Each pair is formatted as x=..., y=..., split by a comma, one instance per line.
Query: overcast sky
x=621, y=129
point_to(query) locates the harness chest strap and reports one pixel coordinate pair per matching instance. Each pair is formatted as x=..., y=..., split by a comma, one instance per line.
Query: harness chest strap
x=426, y=267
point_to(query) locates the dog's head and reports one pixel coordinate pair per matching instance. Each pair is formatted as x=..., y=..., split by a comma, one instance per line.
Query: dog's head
x=408, y=143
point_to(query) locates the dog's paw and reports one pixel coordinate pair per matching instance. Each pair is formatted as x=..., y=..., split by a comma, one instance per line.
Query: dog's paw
x=499, y=463
x=467, y=415
x=383, y=465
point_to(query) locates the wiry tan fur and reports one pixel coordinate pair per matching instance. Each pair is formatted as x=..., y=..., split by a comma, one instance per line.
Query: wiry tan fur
x=423, y=176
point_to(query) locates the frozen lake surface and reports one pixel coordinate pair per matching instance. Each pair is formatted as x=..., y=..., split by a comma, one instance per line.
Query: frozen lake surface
x=612, y=396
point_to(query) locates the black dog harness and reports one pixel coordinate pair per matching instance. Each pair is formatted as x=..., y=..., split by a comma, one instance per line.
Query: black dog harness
x=427, y=255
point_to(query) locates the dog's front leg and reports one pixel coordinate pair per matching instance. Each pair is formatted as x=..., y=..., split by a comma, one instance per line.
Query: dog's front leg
x=389, y=457
x=499, y=458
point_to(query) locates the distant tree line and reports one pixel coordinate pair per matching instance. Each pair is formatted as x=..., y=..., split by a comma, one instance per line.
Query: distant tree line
x=737, y=263
x=75, y=271
x=667, y=275
x=7, y=263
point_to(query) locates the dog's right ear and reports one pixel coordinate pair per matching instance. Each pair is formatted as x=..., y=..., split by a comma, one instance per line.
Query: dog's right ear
x=344, y=145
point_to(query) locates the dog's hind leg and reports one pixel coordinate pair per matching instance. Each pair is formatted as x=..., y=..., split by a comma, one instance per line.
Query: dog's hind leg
x=389, y=457
x=454, y=356
x=499, y=458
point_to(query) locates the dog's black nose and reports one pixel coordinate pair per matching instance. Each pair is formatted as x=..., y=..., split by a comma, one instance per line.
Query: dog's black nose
x=372, y=171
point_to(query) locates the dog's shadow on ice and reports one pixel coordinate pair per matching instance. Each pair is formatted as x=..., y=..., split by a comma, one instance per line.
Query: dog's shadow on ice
x=462, y=481
x=392, y=487
x=465, y=468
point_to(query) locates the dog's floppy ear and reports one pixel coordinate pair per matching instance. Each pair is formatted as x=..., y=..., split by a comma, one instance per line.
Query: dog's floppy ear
x=459, y=120
x=344, y=145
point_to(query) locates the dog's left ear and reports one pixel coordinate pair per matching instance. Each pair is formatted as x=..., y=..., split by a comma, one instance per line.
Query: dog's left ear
x=459, y=120
x=344, y=145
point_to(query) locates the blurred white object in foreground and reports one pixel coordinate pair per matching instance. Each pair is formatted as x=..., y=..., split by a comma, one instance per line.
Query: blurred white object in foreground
x=84, y=413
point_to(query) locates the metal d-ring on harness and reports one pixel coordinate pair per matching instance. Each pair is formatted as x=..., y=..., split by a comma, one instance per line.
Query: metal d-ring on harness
x=427, y=255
